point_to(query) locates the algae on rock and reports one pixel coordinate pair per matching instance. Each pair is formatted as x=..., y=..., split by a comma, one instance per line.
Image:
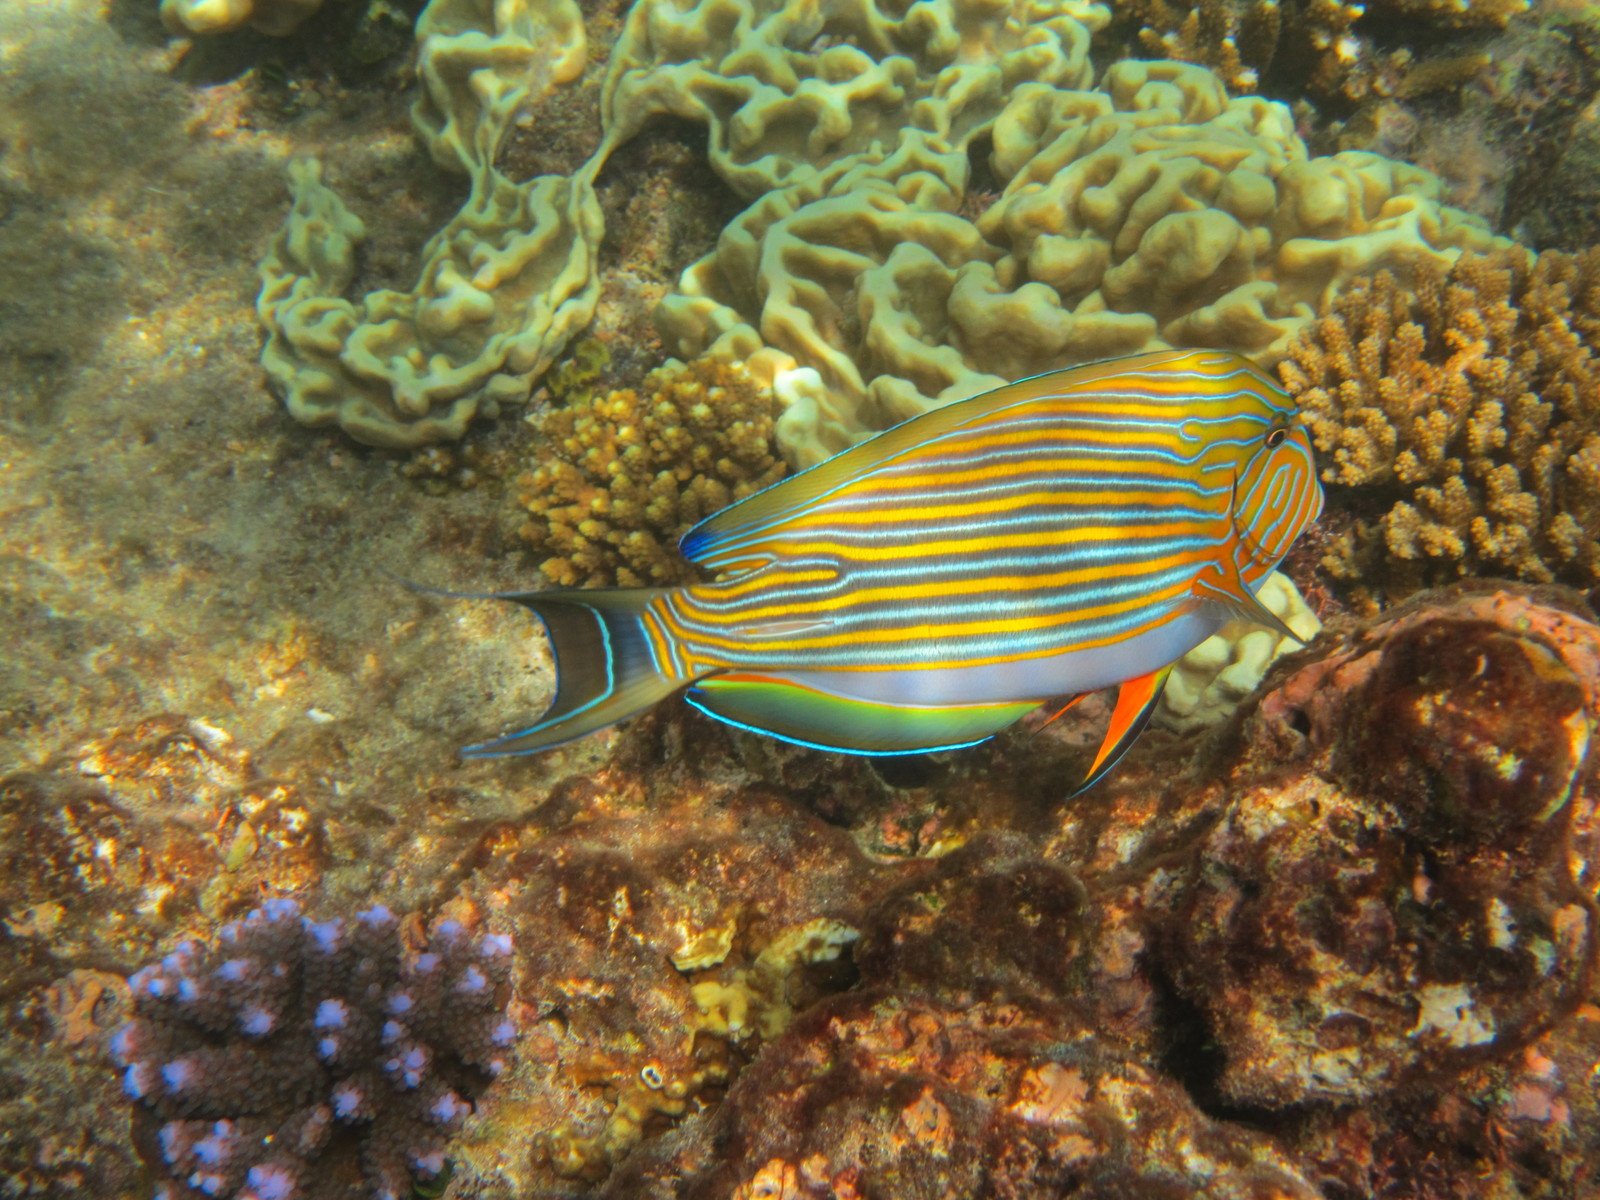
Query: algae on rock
x=503, y=285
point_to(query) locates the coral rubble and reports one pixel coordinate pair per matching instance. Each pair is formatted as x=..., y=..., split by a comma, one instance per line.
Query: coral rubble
x=621, y=476
x=907, y=1096
x=300, y=1059
x=1459, y=417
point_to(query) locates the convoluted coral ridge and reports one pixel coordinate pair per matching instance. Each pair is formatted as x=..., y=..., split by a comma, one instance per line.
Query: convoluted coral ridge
x=1462, y=412
x=503, y=285
x=1151, y=211
x=869, y=278
x=296, y=1059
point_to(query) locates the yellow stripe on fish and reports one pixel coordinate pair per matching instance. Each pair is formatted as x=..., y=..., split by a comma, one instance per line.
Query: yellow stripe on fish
x=1061, y=534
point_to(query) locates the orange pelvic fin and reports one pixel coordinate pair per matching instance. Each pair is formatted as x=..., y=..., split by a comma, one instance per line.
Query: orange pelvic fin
x=1136, y=700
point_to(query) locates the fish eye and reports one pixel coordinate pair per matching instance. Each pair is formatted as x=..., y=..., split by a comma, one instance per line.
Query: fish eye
x=1275, y=438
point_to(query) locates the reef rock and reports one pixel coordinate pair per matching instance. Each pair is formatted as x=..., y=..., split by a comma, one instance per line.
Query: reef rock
x=1391, y=892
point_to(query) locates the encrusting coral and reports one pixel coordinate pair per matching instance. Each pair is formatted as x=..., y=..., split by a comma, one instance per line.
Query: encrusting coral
x=1462, y=412
x=298, y=1059
x=621, y=476
x=1393, y=891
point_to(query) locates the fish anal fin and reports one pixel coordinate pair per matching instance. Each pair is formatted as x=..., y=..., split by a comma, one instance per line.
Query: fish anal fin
x=1228, y=591
x=1136, y=701
x=825, y=720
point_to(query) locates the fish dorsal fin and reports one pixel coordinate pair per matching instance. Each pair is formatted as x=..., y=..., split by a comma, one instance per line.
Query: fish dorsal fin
x=730, y=541
x=1222, y=585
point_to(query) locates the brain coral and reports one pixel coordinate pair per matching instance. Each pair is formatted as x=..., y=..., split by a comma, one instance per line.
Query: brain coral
x=623, y=475
x=871, y=277
x=1151, y=211
x=1462, y=413
x=296, y=1060
x=503, y=286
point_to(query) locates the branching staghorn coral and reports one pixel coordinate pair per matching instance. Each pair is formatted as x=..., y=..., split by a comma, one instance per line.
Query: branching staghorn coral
x=1462, y=412
x=623, y=475
x=1235, y=38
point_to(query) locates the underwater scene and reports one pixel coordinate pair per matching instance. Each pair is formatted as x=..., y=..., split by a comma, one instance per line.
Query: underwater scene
x=797, y=599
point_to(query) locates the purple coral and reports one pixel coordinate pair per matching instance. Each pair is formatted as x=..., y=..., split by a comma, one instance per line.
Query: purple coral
x=300, y=1059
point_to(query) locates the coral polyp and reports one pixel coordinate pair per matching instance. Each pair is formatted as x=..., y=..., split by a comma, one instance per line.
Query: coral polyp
x=297, y=1059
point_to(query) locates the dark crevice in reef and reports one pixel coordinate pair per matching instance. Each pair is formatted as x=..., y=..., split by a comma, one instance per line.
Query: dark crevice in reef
x=1194, y=1059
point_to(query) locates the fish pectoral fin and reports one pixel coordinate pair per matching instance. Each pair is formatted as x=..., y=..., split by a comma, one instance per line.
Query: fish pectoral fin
x=1136, y=701
x=825, y=720
x=1228, y=591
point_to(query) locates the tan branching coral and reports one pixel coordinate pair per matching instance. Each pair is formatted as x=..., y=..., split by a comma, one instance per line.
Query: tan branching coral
x=624, y=474
x=1315, y=46
x=1235, y=38
x=1463, y=412
x=1452, y=14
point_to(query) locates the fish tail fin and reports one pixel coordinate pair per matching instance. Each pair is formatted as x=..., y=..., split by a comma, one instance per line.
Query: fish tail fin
x=613, y=660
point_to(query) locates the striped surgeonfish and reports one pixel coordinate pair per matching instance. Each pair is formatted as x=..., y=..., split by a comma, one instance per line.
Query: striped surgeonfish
x=924, y=589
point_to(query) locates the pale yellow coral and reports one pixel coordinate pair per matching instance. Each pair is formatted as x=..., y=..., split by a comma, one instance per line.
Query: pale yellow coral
x=1463, y=413
x=277, y=17
x=1208, y=683
x=869, y=279
x=1151, y=211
